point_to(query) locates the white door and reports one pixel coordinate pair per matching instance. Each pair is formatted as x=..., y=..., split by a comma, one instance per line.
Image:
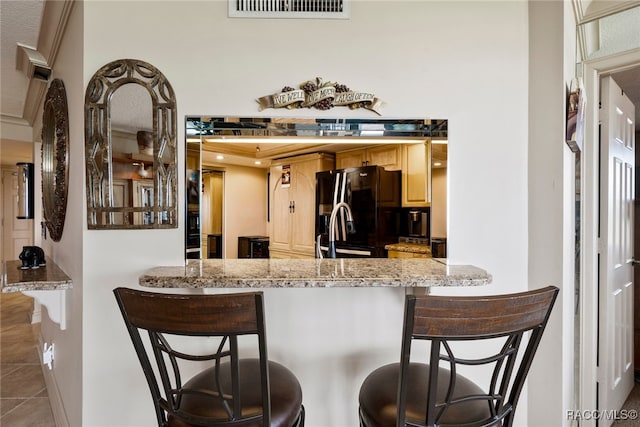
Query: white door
x=615, y=367
x=16, y=233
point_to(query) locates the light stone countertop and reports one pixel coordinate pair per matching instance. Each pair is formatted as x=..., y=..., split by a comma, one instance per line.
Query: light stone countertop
x=314, y=273
x=413, y=248
x=47, y=278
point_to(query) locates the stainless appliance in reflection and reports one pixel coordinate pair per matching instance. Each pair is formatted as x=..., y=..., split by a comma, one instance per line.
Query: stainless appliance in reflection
x=418, y=223
x=253, y=247
x=193, y=235
x=374, y=198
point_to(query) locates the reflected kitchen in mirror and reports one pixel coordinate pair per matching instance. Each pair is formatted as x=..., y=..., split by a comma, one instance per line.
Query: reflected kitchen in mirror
x=255, y=179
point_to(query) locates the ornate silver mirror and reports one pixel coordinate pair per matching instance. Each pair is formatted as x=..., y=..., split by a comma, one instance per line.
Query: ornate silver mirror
x=55, y=158
x=130, y=148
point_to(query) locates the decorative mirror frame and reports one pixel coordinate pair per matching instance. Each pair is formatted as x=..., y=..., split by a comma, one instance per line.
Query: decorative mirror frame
x=55, y=158
x=101, y=212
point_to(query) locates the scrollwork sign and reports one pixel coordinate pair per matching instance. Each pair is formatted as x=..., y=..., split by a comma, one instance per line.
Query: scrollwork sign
x=107, y=192
x=55, y=158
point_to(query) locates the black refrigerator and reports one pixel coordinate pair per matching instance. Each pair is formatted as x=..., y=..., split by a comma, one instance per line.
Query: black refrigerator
x=374, y=197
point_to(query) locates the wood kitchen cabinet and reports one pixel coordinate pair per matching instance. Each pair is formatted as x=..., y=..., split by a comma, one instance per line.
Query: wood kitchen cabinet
x=416, y=174
x=386, y=155
x=292, y=204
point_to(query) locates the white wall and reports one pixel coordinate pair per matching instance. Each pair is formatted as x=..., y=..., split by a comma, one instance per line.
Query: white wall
x=551, y=194
x=546, y=189
x=244, y=206
x=68, y=252
x=65, y=380
x=466, y=62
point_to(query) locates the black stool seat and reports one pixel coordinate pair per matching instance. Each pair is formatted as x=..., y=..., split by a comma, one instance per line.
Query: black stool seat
x=379, y=397
x=286, y=395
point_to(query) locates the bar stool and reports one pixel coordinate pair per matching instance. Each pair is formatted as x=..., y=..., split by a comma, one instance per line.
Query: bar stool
x=415, y=394
x=228, y=388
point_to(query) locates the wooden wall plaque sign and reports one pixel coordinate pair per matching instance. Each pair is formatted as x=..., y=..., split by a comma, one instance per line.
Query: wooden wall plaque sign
x=320, y=95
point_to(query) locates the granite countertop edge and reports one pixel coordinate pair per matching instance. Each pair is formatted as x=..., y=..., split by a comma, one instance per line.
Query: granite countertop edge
x=37, y=286
x=413, y=248
x=313, y=273
x=47, y=278
x=182, y=282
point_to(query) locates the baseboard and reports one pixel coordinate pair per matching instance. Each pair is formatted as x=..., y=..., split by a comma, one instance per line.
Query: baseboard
x=36, y=314
x=55, y=398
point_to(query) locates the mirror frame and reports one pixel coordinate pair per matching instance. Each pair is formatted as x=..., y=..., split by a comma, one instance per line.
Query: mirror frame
x=99, y=186
x=55, y=158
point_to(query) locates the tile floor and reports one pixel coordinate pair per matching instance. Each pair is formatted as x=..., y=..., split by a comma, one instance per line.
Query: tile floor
x=24, y=401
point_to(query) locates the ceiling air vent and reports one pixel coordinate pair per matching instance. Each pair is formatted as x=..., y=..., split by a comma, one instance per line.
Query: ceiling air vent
x=318, y=9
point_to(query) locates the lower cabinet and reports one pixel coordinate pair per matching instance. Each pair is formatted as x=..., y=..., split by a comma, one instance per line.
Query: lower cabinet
x=292, y=197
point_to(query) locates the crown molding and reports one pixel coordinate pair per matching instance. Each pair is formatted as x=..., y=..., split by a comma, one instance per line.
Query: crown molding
x=15, y=128
x=54, y=22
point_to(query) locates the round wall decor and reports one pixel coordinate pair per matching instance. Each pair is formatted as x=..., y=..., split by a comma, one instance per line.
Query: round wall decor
x=55, y=158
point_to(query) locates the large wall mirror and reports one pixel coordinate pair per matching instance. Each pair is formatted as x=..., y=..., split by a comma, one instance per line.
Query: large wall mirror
x=55, y=159
x=130, y=148
x=248, y=179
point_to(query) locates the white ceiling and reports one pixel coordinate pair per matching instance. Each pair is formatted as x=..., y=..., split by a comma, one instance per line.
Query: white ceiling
x=20, y=22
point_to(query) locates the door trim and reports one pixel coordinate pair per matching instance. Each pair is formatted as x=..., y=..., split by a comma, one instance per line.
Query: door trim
x=592, y=70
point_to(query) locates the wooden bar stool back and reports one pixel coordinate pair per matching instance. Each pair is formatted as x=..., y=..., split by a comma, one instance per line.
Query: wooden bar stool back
x=231, y=384
x=416, y=394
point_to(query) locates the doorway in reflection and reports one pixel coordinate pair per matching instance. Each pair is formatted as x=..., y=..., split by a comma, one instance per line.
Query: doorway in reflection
x=211, y=213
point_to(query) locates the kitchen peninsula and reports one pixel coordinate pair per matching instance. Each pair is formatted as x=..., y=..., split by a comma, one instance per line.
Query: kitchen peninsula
x=330, y=320
x=314, y=273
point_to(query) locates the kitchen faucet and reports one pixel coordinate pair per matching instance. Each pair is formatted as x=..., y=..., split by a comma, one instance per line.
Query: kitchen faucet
x=332, y=227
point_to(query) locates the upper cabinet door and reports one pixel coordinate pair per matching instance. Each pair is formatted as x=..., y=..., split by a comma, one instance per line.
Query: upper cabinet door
x=351, y=159
x=389, y=156
x=416, y=174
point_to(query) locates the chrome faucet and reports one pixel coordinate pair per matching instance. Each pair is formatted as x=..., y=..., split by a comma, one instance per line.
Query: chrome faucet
x=318, y=248
x=332, y=227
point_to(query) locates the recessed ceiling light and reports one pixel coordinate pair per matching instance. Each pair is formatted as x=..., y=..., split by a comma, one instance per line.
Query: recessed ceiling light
x=257, y=162
x=220, y=157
